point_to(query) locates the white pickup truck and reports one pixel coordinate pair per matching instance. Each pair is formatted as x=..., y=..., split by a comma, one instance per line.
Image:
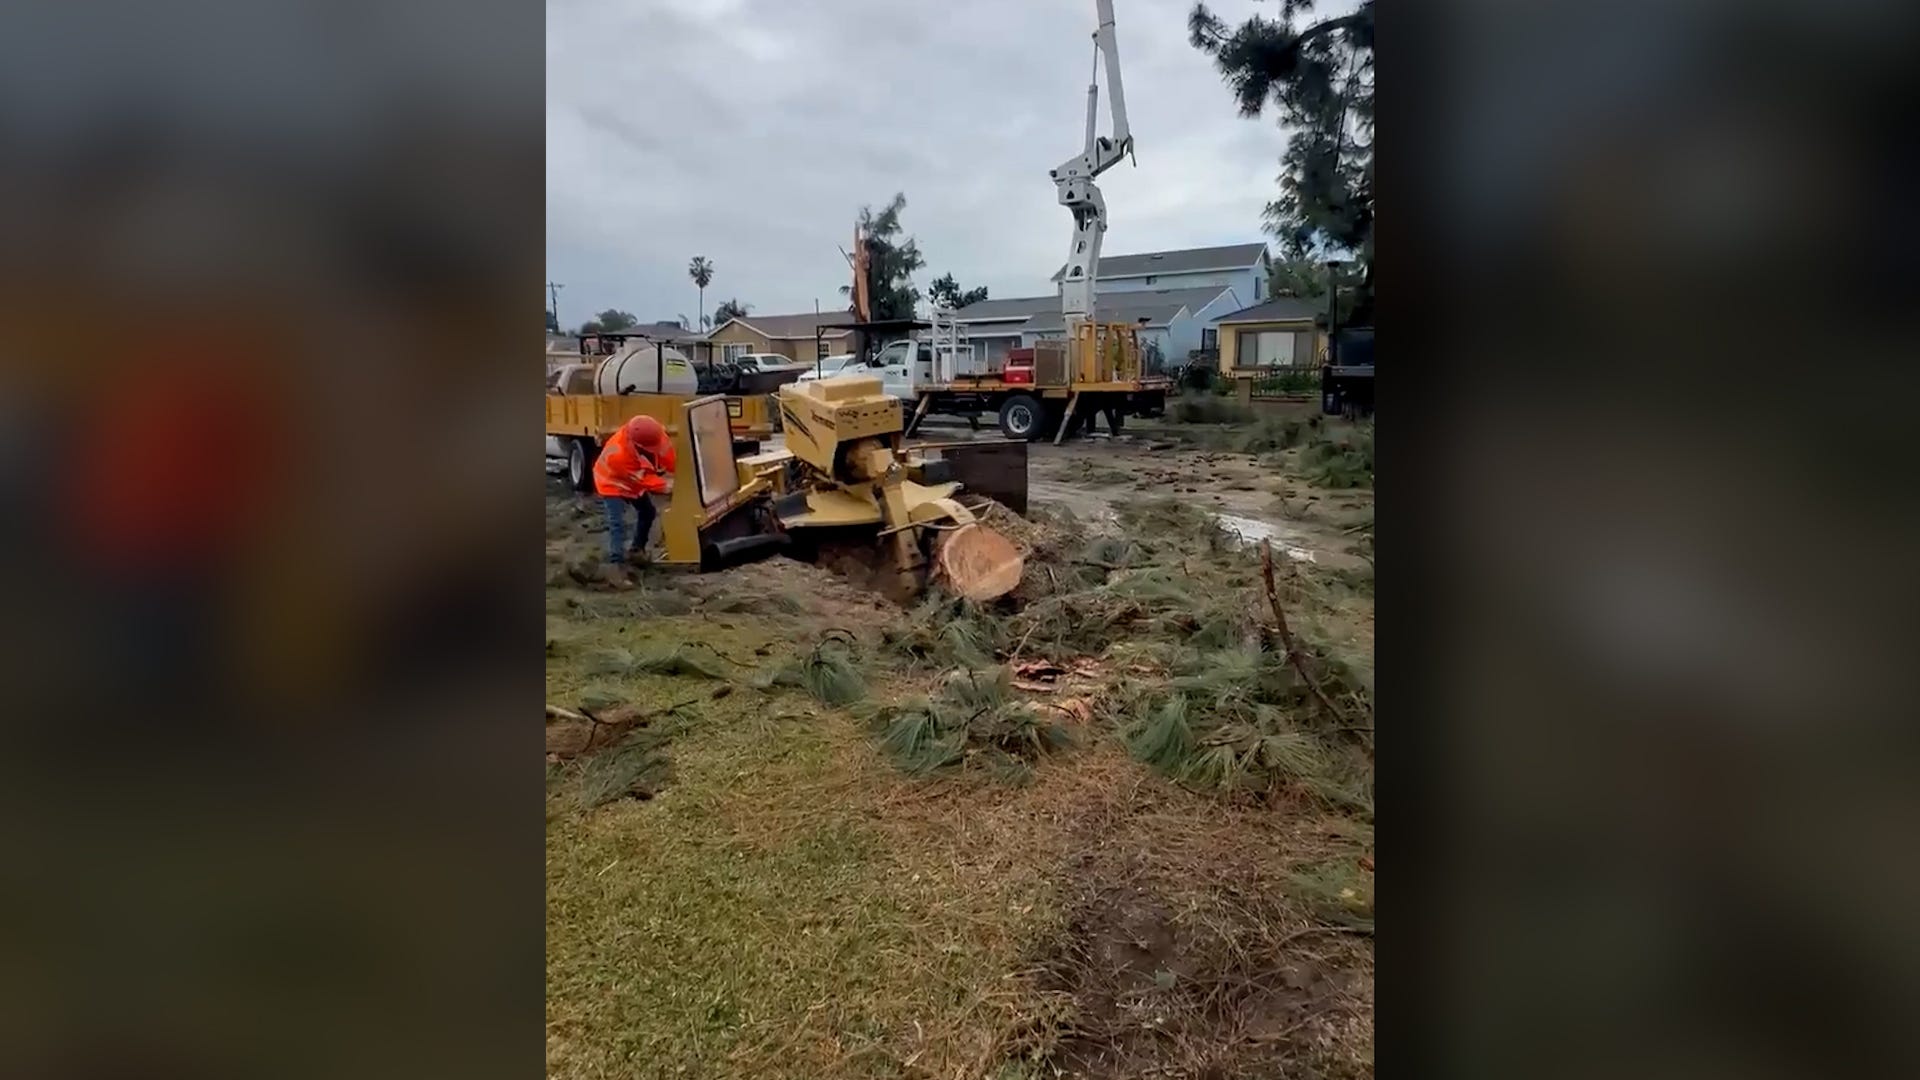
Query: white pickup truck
x=890, y=364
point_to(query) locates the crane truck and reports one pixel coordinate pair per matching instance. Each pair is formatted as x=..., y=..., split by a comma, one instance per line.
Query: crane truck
x=1054, y=387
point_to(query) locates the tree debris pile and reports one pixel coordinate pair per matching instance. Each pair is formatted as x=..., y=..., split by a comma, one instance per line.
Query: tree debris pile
x=1331, y=454
x=1244, y=721
x=1211, y=694
x=830, y=671
x=608, y=749
x=1171, y=573
x=973, y=719
x=1341, y=461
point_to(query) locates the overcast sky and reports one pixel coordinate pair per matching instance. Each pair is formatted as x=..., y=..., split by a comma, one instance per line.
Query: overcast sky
x=752, y=131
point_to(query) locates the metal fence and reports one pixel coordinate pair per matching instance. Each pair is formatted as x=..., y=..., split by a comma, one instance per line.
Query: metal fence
x=1287, y=383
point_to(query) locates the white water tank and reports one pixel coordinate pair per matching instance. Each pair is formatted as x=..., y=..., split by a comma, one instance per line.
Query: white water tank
x=645, y=368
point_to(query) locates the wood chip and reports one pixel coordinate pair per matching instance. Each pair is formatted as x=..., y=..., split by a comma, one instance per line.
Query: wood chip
x=1078, y=708
x=1045, y=670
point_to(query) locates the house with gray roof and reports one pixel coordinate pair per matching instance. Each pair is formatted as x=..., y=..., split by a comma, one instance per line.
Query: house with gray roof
x=994, y=326
x=1282, y=332
x=1241, y=267
x=1176, y=297
x=1172, y=322
x=1236, y=274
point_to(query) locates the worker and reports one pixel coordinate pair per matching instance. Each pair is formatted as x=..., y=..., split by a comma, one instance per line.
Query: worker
x=635, y=465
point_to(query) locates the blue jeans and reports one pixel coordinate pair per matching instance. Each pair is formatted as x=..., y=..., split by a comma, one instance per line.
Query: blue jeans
x=616, y=507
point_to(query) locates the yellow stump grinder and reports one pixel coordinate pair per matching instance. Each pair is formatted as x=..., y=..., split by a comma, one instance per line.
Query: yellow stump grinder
x=845, y=491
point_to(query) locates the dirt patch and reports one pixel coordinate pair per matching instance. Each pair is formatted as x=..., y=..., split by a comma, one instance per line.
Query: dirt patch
x=1270, y=496
x=778, y=587
x=782, y=586
x=1183, y=954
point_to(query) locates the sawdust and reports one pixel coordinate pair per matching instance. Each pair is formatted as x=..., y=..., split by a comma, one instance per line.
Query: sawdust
x=780, y=586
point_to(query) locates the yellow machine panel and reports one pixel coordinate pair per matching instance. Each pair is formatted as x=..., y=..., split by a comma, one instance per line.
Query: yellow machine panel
x=1106, y=353
x=821, y=417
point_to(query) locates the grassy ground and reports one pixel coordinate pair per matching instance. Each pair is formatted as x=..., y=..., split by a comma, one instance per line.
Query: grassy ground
x=785, y=901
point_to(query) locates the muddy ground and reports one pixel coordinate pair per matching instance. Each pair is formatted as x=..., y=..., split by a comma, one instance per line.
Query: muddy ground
x=1252, y=495
x=752, y=889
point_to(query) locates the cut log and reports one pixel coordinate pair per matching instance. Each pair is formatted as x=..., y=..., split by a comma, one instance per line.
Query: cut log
x=979, y=563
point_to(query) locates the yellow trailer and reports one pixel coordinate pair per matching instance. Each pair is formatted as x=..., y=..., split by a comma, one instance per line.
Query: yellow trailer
x=582, y=423
x=623, y=375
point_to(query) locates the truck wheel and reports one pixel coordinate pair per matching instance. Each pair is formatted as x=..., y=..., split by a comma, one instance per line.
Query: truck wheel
x=1021, y=417
x=580, y=456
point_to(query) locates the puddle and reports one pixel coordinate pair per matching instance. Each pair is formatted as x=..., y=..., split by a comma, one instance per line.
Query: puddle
x=1252, y=531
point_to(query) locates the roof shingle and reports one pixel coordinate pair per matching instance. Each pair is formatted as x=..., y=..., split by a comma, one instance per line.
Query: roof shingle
x=1278, y=309
x=1156, y=306
x=1012, y=307
x=1185, y=261
x=795, y=326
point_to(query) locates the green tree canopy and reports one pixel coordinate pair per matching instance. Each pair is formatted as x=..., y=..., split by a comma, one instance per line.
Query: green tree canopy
x=1308, y=278
x=1318, y=76
x=946, y=292
x=609, y=320
x=729, y=309
x=891, y=261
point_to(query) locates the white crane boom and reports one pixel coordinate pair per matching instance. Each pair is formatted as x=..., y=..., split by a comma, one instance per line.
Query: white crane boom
x=1073, y=178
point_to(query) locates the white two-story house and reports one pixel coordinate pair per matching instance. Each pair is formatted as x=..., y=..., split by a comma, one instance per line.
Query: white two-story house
x=1240, y=267
x=1177, y=298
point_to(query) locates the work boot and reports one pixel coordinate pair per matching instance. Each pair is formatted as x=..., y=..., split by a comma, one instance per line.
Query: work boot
x=616, y=577
x=639, y=557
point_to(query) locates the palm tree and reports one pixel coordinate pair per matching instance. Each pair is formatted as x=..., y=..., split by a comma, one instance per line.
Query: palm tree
x=701, y=271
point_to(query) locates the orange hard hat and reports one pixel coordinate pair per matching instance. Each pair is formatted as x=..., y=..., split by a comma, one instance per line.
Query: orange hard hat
x=646, y=431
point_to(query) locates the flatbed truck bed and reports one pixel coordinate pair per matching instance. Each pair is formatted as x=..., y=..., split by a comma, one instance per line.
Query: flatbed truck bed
x=1025, y=410
x=584, y=422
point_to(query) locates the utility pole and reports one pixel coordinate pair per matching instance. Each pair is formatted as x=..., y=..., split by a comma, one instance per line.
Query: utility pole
x=1333, y=309
x=553, y=294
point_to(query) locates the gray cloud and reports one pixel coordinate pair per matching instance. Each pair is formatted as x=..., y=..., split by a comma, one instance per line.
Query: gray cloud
x=752, y=131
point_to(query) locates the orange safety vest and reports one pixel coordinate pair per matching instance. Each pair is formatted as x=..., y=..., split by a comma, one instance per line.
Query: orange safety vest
x=624, y=471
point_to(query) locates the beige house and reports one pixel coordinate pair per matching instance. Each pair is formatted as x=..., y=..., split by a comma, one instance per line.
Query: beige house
x=1283, y=332
x=791, y=336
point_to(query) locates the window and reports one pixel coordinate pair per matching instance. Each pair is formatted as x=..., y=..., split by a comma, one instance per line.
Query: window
x=732, y=351
x=1151, y=279
x=821, y=350
x=1264, y=348
x=1210, y=339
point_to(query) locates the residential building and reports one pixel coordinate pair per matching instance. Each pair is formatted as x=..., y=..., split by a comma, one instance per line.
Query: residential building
x=1171, y=321
x=662, y=331
x=1282, y=332
x=791, y=336
x=994, y=326
x=1239, y=271
x=1176, y=297
x=1240, y=267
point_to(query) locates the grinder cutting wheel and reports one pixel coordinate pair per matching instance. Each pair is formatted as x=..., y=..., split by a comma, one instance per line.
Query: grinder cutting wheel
x=845, y=491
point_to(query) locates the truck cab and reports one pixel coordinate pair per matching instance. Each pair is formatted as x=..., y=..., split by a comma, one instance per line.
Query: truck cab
x=901, y=365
